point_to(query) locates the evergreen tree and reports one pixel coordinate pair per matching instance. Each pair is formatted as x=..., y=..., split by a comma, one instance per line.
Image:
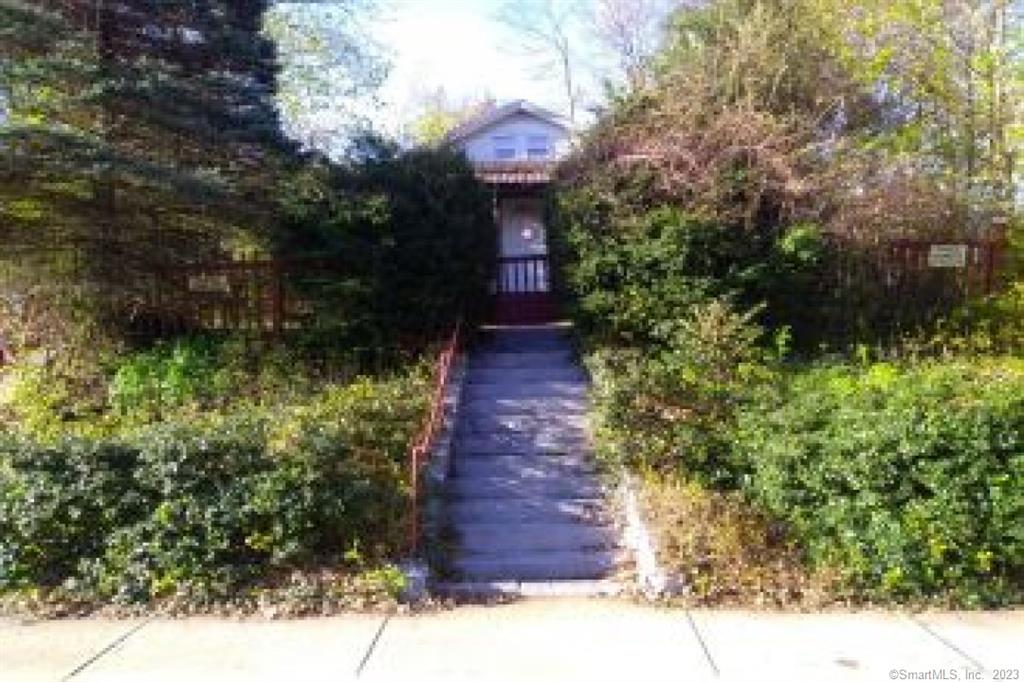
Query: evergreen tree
x=138, y=134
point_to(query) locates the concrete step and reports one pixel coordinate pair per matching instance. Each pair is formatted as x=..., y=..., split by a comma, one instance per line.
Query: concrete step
x=528, y=566
x=500, y=487
x=540, y=433
x=526, y=467
x=540, y=443
x=483, y=589
x=508, y=539
x=525, y=510
x=522, y=423
x=579, y=455
x=525, y=341
x=529, y=375
x=524, y=360
x=535, y=390
x=540, y=406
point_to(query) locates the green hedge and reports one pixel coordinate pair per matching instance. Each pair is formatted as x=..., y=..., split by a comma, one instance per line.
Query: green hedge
x=410, y=231
x=205, y=508
x=675, y=405
x=910, y=480
x=632, y=269
x=906, y=480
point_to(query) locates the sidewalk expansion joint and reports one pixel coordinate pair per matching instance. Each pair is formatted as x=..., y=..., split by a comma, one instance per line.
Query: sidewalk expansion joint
x=373, y=644
x=106, y=650
x=703, y=644
x=979, y=667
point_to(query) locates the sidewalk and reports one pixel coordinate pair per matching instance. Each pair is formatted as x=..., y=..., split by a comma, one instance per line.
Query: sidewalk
x=532, y=640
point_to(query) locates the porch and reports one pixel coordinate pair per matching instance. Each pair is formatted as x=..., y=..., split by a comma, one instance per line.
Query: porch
x=522, y=289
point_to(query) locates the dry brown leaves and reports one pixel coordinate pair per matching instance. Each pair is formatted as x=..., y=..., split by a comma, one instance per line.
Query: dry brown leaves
x=726, y=554
x=733, y=162
x=897, y=203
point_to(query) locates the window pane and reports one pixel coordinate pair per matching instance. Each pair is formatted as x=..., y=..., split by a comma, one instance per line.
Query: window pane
x=504, y=146
x=537, y=147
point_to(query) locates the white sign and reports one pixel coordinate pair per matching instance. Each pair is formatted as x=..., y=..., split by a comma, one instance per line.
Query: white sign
x=947, y=256
x=209, y=284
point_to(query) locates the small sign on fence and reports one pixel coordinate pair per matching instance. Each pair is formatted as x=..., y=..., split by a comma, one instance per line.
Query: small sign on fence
x=209, y=284
x=947, y=256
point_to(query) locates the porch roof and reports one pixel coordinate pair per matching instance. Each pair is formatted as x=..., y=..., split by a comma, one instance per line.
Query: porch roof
x=514, y=172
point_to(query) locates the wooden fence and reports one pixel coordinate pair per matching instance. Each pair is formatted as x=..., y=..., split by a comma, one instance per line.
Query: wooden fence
x=897, y=286
x=257, y=295
x=968, y=268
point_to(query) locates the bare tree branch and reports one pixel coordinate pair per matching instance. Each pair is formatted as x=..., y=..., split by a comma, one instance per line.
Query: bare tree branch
x=631, y=30
x=544, y=30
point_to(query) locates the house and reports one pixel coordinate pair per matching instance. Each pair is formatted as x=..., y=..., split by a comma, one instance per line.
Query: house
x=514, y=148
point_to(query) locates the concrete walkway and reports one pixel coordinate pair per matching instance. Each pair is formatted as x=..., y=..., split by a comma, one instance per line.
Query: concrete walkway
x=524, y=499
x=535, y=640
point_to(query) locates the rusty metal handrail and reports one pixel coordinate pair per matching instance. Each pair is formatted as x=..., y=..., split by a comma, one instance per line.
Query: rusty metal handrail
x=419, y=450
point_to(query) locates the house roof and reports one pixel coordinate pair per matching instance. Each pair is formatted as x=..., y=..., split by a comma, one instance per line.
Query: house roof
x=500, y=113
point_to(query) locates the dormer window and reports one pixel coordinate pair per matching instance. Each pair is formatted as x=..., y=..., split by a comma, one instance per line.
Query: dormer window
x=504, y=147
x=538, y=147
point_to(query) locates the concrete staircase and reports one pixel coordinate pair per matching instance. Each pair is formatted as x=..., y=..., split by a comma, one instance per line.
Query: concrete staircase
x=524, y=501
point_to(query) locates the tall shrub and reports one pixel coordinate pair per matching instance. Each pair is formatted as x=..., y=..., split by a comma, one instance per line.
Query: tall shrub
x=411, y=232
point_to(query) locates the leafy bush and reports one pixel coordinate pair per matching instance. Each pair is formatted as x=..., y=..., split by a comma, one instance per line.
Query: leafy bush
x=994, y=324
x=675, y=406
x=412, y=235
x=631, y=283
x=349, y=447
x=633, y=273
x=152, y=382
x=909, y=478
x=200, y=484
x=204, y=508
x=898, y=481
x=60, y=503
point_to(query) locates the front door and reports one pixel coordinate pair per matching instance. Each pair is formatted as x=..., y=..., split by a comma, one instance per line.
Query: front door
x=523, y=285
x=522, y=228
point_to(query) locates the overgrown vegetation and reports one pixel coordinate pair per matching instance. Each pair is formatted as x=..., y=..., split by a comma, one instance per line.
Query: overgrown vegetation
x=409, y=234
x=141, y=140
x=806, y=437
x=908, y=478
x=135, y=138
x=806, y=434
x=202, y=481
x=148, y=470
